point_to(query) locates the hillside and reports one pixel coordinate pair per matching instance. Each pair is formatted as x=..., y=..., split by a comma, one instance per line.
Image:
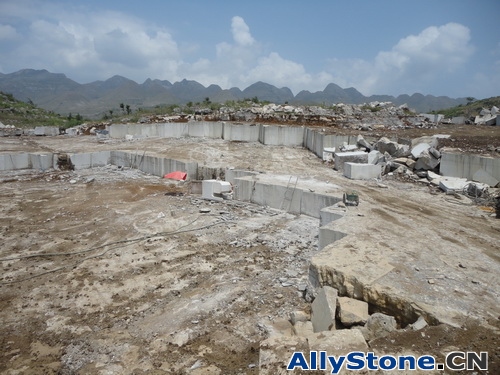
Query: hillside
x=60, y=94
x=27, y=115
x=471, y=109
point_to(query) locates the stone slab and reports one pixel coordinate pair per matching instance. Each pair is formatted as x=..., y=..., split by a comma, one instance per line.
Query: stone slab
x=452, y=185
x=356, y=171
x=324, y=309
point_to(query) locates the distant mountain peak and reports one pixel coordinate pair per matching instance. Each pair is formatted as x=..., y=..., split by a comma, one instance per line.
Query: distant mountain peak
x=60, y=94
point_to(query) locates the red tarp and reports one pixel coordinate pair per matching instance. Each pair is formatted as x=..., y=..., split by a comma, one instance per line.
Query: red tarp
x=176, y=176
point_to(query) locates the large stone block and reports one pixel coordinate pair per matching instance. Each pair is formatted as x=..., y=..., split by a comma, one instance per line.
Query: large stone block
x=12, y=162
x=466, y=165
x=47, y=130
x=356, y=171
x=281, y=135
x=241, y=133
x=41, y=162
x=349, y=157
x=352, y=311
x=324, y=309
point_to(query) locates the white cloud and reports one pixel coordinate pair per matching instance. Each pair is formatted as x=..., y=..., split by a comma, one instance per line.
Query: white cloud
x=241, y=32
x=413, y=63
x=88, y=45
x=7, y=32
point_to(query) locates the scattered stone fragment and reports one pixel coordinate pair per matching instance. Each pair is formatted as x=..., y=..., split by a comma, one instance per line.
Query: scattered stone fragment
x=419, y=324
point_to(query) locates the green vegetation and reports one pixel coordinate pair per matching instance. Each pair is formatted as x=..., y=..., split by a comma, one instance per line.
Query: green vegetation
x=28, y=115
x=472, y=108
x=370, y=108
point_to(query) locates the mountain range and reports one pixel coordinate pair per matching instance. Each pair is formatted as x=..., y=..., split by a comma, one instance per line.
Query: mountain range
x=56, y=92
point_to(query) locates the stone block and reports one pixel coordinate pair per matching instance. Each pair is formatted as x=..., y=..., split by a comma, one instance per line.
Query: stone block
x=419, y=149
x=356, y=171
x=386, y=145
x=281, y=135
x=361, y=141
x=324, y=308
x=375, y=156
x=241, y=133
x=430, y=140
x=349, y=157
x=352, y=311
x=426, y=161
x=41, y=162
x=46, y=130
x=12, y=162
x=214, y=189
x=484, y=177
x=465, y=165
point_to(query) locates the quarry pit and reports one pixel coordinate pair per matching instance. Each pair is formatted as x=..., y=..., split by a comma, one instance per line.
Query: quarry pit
x=107, y=269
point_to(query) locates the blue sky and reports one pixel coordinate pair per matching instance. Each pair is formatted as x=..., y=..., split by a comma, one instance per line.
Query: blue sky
x=437, y=47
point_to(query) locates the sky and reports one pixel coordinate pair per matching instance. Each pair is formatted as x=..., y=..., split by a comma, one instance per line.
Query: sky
x=393, y=47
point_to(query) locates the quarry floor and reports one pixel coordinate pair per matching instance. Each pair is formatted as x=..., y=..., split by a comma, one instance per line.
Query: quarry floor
x=136, y=279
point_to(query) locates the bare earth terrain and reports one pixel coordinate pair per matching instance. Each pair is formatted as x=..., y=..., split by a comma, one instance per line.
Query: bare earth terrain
x=111, y=271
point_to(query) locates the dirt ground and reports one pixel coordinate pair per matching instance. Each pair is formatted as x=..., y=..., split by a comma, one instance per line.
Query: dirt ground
x=111, y=271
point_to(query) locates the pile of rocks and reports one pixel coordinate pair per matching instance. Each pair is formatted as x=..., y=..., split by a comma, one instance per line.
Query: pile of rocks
x=364, y=117
x=488, y=117
x=9, y=130
x=412, y=158
x=337, y=325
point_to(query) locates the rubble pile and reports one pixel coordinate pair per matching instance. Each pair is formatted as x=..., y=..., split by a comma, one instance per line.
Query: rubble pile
x=365, y=117
x=416, y=160
x=335, y=324
x=488, y=117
